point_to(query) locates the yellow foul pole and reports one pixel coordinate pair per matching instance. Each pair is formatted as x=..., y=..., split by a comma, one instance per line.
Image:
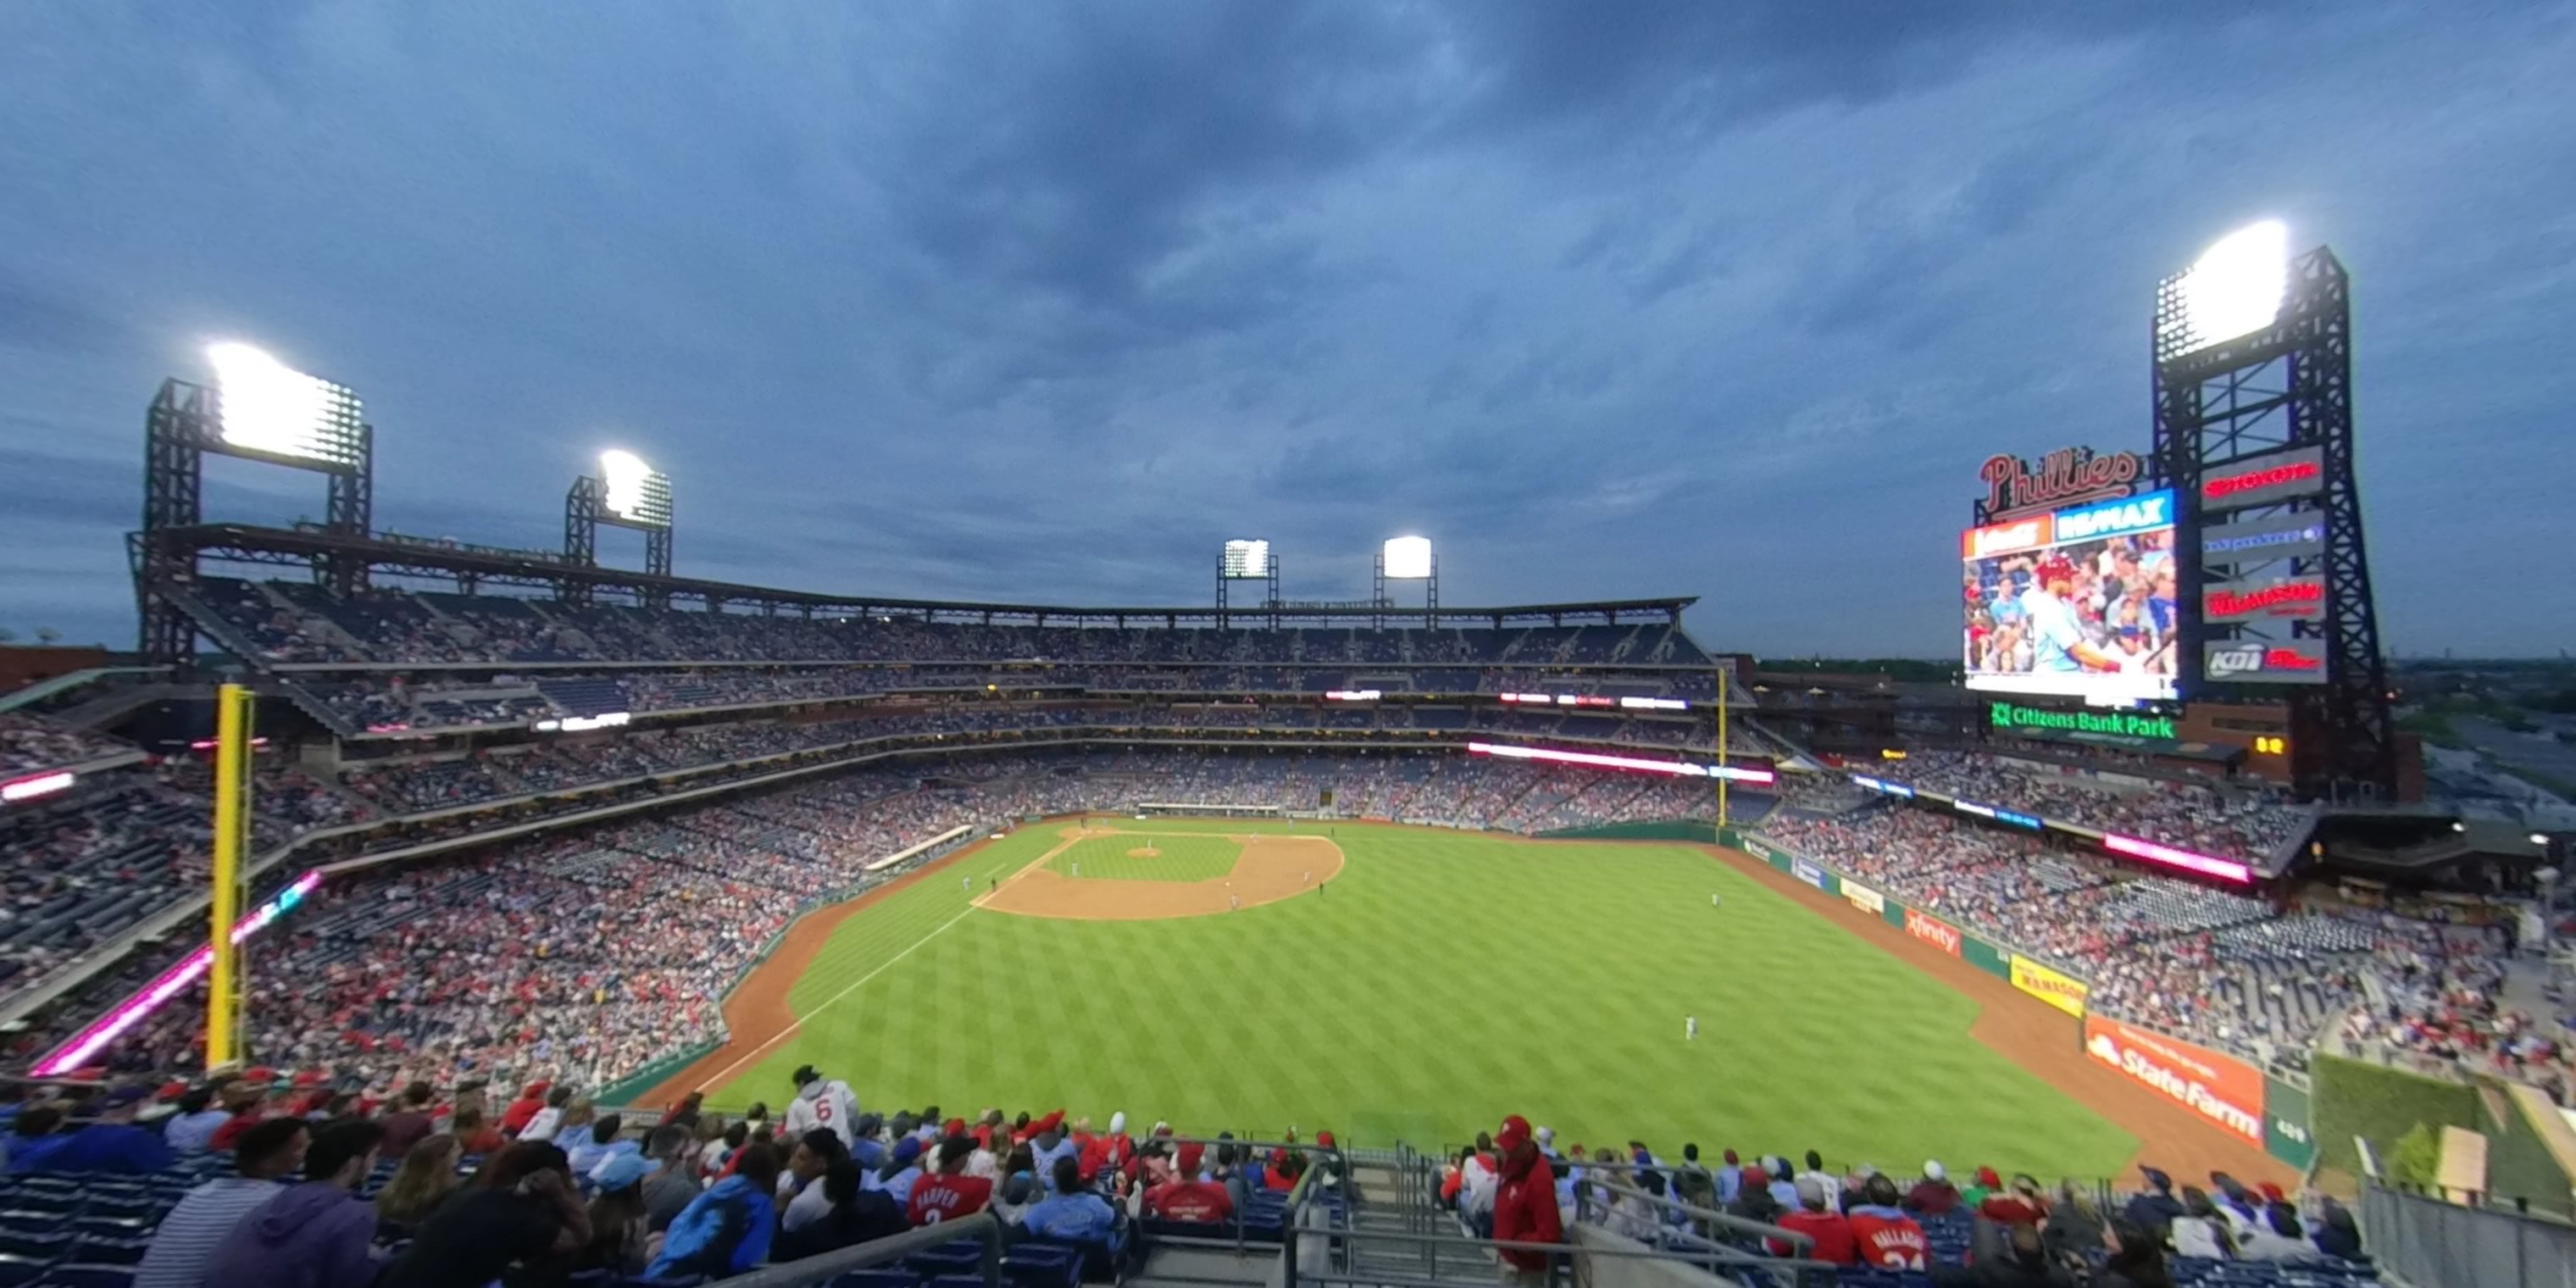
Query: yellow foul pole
x=232, y=830
x=1725, y=681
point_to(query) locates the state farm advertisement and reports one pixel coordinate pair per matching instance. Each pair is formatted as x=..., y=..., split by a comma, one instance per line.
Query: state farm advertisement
x=1864, y=898
x=1932, y=930
x=2222, y=1089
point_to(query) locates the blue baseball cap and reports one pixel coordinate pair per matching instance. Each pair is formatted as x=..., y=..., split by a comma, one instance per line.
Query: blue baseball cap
x=907, y=1149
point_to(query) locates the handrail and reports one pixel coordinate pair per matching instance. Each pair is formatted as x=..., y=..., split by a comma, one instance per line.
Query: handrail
x=1728, y=1220
x=983, y=1227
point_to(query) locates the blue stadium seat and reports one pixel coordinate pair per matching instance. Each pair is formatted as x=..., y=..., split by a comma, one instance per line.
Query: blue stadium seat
x=87, y=1277
x=963, y=1257
x=14, y=1272
x=35, y=1245
x=879, y=1277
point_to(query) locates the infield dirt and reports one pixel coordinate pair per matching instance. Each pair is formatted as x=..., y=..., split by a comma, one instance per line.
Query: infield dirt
x=1273, y=867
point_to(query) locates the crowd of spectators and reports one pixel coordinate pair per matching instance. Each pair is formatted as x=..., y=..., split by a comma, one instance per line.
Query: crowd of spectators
x=85, y=866
x=2217, y=967
x=2242, y=824
x=31, y=742
x=295, y=622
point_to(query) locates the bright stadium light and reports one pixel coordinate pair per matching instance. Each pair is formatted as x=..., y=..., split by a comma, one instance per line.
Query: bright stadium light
x=268, y=407
x=1408, y=558
x=1249, y=560
x=630, y=491
x=2234, y=289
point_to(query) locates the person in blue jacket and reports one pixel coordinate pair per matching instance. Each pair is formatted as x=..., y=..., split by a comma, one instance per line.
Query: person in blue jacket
x=726, y=1230
x=113, y=1143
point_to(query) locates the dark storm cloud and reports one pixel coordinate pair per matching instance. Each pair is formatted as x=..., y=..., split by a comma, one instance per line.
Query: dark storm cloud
x=1025, y=301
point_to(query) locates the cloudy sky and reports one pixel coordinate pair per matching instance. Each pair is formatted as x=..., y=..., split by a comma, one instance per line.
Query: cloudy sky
x=1043, y=301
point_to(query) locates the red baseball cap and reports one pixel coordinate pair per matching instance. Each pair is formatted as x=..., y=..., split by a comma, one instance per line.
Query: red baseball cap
x=1189, y=1157
x=2272, y=1191
x=1515, y=1133
x=955, y=1127
x=310, y=1078
x=1324, y=1138
x=173, y=1090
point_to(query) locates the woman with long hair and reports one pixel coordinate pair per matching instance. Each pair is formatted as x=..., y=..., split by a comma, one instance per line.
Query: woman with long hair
x=426, y=1178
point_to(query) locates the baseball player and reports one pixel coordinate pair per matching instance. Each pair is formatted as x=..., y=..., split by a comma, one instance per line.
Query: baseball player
x=2058, y=641
x=821, y=1102
x=1690, y=1028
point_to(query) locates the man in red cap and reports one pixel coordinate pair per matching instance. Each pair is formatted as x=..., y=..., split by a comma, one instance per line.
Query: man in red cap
x=1188, y=1197
x=1524, y=1204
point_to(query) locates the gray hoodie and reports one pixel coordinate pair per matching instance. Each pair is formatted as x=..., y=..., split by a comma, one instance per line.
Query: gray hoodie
x=313, y=1235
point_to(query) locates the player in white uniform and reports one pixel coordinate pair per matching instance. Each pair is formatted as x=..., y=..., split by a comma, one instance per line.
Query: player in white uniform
x=821, y=1102
x=1690, y=1028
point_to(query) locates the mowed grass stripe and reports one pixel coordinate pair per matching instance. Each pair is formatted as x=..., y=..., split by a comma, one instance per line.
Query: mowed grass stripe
x=1443, y=980
x=1175, y=858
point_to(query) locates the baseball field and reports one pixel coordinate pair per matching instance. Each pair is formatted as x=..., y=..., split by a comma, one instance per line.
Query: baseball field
x=1390, y=982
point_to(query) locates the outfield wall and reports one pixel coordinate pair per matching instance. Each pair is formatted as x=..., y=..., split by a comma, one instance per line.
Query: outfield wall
x=2263, y=1111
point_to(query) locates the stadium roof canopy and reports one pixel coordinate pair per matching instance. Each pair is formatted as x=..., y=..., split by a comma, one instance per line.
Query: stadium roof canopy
x=471, y=568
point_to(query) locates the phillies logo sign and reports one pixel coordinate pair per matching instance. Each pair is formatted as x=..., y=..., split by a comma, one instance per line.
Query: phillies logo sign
x=2067, y=476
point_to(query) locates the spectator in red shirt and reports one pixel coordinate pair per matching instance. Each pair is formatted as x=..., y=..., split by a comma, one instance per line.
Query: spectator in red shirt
x=949, y=1192
x=1524, y=1205
x=1934, y=1195
x=532, y=1098
x=2020, y=1205
x=1888, y=1239
x=1187, y=1197
x=1830, y=1230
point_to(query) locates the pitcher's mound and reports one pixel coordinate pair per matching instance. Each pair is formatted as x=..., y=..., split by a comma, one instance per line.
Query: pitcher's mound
x=1144, y=852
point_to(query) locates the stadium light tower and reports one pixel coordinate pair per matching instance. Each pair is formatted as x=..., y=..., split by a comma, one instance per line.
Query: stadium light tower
x=256, y=408
x=1409, y=559
x=625, y=493
x=1247, y=559
x=2252, y=350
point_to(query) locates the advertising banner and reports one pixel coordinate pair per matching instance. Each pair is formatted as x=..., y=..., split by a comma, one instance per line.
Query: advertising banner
x=2285, y=1124
x=2264, y=661
x=2239, y=601
x=2292, y=536
x=1812, y=875
x=1932, y=930
x=2063, y=991
x=1761, y=851
x=1984, y=956
x=2220, y=1088
x=1865, y=899
x=2268, y=479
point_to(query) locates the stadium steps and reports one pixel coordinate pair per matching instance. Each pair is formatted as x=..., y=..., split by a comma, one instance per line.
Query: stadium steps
x=307, y=702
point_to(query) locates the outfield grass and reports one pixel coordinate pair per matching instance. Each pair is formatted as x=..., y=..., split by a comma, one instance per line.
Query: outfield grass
x=1179, y=858
x=1445, y=980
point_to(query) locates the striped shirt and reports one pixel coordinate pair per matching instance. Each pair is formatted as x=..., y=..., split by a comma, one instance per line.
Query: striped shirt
x=185, y=1244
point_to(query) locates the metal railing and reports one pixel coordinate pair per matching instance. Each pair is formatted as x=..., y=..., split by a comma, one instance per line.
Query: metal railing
x=2424, y=1241
x=983, y=1227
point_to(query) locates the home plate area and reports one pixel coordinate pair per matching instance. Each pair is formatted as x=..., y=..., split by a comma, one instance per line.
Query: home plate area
x=1101, y=874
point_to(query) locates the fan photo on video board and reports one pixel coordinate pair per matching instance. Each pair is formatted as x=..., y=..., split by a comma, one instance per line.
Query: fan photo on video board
x=2092, y=618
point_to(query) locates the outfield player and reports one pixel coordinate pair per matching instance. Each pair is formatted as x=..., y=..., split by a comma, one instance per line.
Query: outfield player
x=821, y=1102
x=1690, y=1028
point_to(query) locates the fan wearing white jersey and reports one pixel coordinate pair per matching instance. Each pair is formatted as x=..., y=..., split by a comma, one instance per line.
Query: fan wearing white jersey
x=821, y=1102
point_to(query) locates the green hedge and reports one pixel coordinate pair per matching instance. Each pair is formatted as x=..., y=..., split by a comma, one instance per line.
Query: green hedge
x=2354, y=1098
x=2519, y=1165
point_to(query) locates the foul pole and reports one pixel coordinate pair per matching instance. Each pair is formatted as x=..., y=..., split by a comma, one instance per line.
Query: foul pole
x=1722, y=687
x=232, y=831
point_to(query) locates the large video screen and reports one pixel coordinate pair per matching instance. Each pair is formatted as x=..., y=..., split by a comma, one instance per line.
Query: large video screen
x=2078, y=603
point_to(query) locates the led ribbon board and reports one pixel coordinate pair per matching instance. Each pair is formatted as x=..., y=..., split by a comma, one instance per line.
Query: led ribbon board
x=169, y=984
